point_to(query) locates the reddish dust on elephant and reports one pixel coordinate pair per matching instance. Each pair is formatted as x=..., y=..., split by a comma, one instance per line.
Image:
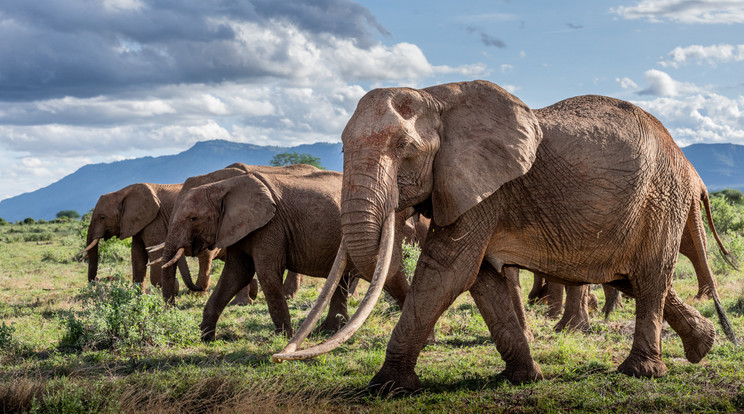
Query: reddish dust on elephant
x=589, y=190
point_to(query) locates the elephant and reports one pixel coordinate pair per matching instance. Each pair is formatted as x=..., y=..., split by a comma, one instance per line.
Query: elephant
x=249, y=293
x=140, y=211
x=589, y=190
x=267, y=223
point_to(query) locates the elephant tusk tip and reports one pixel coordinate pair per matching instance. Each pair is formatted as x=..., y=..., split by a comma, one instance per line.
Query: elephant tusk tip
x=277, y=358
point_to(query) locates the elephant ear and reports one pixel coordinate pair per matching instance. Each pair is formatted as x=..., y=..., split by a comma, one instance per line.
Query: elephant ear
x=247, y=205
x=139, y=206
x=489, y=137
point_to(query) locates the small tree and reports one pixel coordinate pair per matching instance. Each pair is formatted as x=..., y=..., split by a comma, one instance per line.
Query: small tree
x=3, y=222
x=28, y=220
x=72, y=214
x=287, y=158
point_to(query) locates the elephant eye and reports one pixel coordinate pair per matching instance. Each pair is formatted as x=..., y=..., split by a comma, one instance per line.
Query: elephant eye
x=192, y=219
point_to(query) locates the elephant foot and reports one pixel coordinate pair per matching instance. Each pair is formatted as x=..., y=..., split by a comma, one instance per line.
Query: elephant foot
x=287, y=332
x=572, y=324
x=528, y=334
x=646, y=367
x=522, y=373
x=207, y=334
x=241, y=301
x=332, y=325
x=593, y=302
x=704, y=293
x=698, y=342
x=390, y=380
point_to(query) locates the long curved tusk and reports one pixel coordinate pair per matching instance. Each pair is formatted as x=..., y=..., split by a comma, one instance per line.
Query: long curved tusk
x=156, y=261
x=365, y=308
x=156, y=247
x=321, y=303
x=175, y=258
x=87, y=249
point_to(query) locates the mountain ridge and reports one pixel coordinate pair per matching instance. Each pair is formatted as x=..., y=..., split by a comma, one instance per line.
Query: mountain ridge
x=720, y=165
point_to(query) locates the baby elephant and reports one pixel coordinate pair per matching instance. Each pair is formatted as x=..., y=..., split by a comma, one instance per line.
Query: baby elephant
x=267, y=223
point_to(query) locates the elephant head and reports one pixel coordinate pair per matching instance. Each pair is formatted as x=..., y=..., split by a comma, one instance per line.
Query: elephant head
x=212, y=216
x=123, y=214
x=441, y=149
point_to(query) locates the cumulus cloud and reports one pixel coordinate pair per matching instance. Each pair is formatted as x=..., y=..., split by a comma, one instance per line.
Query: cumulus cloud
x=81, y=48
x=96, y=81
x=661, y=84
x=700, y=117
x=626, y=83
x=685, y=11
x=709, y=54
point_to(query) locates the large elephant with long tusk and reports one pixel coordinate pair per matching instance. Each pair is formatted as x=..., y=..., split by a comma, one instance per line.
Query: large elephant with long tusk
x=589, y=190
x=140, y=211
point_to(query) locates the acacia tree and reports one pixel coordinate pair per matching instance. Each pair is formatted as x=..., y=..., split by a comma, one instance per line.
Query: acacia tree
x=69, y=214
x=287, y=158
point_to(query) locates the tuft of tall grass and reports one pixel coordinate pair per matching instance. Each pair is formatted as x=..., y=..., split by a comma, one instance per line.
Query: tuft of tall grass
x=117, y=315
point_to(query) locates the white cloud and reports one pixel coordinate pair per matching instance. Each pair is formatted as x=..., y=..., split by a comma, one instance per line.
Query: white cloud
x=511, y=88
x=661, y=84
x=700, y=117
x=685, y=11
x=626, y=83
x=709, y=54
x=506, y=68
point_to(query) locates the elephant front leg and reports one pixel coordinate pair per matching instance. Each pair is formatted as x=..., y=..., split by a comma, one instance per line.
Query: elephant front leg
x=491, y=294
x=337, y=310
x=271, y=284
x=645, y=355
x=205, y=267
x=235, y=276
x=441, y=276
x=139, y=262
x=515, y=294
x=247, y=295
x=291, y=284
x=576, y=314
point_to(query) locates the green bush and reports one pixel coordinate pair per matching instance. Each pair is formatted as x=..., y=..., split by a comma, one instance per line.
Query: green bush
x=116, y=315
x=734, y=243
x=6, y=337
x=727, y=216
x=411, y=253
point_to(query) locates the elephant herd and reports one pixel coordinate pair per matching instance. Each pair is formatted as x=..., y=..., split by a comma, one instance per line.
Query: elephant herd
x=590, y=190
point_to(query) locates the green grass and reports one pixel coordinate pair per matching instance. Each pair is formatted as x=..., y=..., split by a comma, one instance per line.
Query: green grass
x=42, y=287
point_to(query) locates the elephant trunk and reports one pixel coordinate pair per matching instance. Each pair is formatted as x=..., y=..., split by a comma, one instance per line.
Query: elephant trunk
x=368, y=225
x=172, y=252
x=92, y=253
x=368, y=197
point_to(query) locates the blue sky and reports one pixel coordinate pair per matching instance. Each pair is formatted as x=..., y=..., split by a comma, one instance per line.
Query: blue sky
x=97, y=81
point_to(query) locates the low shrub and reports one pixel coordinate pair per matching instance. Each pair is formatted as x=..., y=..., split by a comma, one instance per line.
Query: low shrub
x=116, y=315
x=411, y=253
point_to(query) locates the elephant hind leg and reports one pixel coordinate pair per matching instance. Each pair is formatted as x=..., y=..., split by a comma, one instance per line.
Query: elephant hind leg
x=576, y=315
x=697, y=332
x=650, y=291
x=235, y=276
x=491, y=294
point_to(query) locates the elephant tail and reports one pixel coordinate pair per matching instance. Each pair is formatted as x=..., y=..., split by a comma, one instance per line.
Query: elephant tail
x=724, y=253
x=697, y=238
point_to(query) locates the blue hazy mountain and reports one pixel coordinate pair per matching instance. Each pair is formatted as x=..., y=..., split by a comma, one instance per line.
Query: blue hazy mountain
x=720, y=165
x=80, y=190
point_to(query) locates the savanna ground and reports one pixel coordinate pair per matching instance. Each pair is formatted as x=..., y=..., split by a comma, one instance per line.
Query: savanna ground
x=67, y=347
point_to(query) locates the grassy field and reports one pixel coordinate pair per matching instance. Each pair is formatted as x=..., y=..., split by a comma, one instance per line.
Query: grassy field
x=68, y=348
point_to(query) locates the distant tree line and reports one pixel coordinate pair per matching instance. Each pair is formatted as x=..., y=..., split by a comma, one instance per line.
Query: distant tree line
x=289, y=158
